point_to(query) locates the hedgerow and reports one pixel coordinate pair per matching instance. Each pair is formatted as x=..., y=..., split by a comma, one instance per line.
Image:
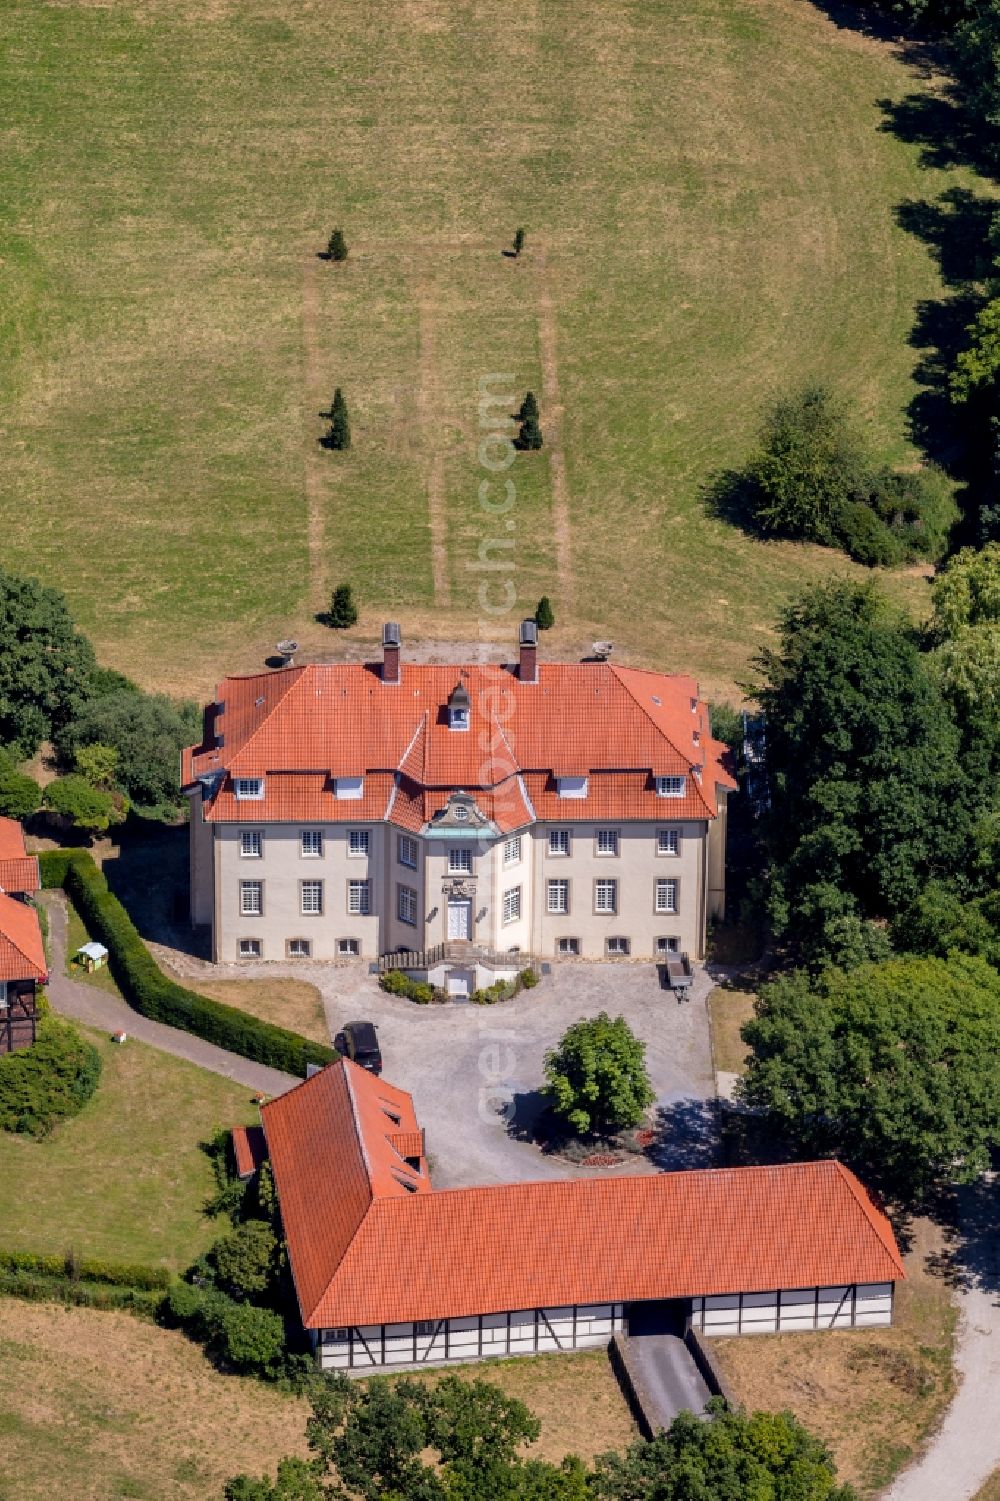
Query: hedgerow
x=149, y=990
x=36, y=1288
x=87, y=1269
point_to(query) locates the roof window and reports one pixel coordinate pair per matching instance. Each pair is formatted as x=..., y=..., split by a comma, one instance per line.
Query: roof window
x=459, y=707
x=572, y=786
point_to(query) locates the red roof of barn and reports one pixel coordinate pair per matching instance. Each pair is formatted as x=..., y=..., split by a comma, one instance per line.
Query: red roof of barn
x=304, y=727
x=249, y=1149
x=22, y=956
x=365, y=1250
x=18, y=869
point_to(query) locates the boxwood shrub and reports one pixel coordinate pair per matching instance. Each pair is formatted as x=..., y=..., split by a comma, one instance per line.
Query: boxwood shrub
x=149, y=990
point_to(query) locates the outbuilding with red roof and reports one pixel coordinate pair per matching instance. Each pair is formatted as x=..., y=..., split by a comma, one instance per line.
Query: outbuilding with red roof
x=389, y=1271
x=22, y=954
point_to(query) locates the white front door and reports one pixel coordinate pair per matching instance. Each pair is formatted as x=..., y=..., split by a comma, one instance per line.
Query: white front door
x=460, y=919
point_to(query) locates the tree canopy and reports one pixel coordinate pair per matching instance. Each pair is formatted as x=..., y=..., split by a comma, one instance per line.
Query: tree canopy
x=146, y=731
x=45, y=664
x=868, y=796
x=596, y=1078
x=891, y=1067
x=385, y=1440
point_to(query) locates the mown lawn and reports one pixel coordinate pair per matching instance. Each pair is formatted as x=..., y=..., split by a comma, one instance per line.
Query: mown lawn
x=127, y=1178
x=709, y=202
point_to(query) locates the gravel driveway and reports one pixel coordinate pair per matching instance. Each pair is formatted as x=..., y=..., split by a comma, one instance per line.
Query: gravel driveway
x=471, y=1068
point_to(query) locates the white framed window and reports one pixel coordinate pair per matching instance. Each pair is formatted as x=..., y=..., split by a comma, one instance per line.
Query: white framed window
x=607, y=841
x=512, y=850
x=311, y=898
x=406, y=905
x=668, y=945
x=559, y=842
x=618, y=948
x=406, y=851
x=312, y=844
x=298, y=948
x=458, y=717
x=357, y=841
x=558, y=896
x=348, y=947
x=359, y=897
x=251, y=844
x=668, y=841
x=251, y=898
x=568, y=946
x=349, y=787
x=606, y=896
x=512, y=905
x=249, y=789
x=670, y=786
x=572, y=786
x=250, y=948
x=666, y=895
x=460, y=860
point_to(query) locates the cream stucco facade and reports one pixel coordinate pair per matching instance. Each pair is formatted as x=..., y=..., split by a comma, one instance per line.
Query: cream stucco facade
x=589, y=888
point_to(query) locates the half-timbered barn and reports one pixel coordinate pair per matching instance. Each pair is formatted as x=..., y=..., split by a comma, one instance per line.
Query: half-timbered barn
x=390, y=1272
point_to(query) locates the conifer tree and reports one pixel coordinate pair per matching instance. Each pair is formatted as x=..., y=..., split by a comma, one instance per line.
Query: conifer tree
x=336, y=250
x=544, y=618
x=519, y=238
x=528, y=408
x=339, y=435
x=530, y=435
x=343, y=612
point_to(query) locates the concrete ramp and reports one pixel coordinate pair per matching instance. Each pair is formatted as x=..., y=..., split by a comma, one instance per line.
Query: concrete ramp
x=664, y=1373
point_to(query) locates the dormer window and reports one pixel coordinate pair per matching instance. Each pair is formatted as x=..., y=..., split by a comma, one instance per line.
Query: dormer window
x=670, y=786
x=249, y=788
x=459, y=708
x=572, y=786
x=350, y=787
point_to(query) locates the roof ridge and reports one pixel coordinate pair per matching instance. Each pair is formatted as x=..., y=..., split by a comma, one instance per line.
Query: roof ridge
x=286, y=673
x=372, y=1197
x=616, y=673
x=871, y=1213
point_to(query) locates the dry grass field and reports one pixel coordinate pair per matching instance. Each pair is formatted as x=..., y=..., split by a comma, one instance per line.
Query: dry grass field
x=139, y=1413
x=991, y=1490
x=727, y=1011
x=872, y=1395
x=709, y=200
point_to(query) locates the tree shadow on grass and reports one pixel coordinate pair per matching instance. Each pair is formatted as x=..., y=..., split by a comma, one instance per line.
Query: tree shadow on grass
x=148, y=873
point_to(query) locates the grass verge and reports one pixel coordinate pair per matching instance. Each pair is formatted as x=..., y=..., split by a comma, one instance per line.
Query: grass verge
x=126, y=1179
x=727, y=1011
x=873, y=1395
x=76, y=936
x=294, y=1004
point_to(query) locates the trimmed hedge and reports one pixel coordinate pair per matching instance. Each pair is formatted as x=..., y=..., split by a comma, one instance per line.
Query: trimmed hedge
x=87, y=1269
x=35, y=1288
x=149, y=990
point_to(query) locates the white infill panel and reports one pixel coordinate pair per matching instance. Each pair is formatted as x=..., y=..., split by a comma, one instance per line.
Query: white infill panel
x=398, y=1343
x=366, y=1346
x=874, y=1303
x=522, y=1331
x=463, y=1338
x=759, y=1313
x=722, y=1314
x=798, y=1308
x=834, y=1308
x=494, y=1333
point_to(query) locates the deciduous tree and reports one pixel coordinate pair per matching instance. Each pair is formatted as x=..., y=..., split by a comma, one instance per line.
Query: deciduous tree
x=87, y=807
x=146, y=731
x=596, y=1078
x=20, y=795
x=892, y=1067
x=45, y=664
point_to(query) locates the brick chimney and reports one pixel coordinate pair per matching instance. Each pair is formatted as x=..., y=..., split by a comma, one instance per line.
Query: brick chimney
x=390, y=652
x=527, y=667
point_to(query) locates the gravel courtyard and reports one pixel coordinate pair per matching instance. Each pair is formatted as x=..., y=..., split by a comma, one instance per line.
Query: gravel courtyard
x=470, y=1068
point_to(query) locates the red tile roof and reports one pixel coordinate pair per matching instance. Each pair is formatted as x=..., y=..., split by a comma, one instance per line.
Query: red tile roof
x=249, y=1149
x=18, y=869
x=363, y=1250
x=304, y=727
x=22, y=955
